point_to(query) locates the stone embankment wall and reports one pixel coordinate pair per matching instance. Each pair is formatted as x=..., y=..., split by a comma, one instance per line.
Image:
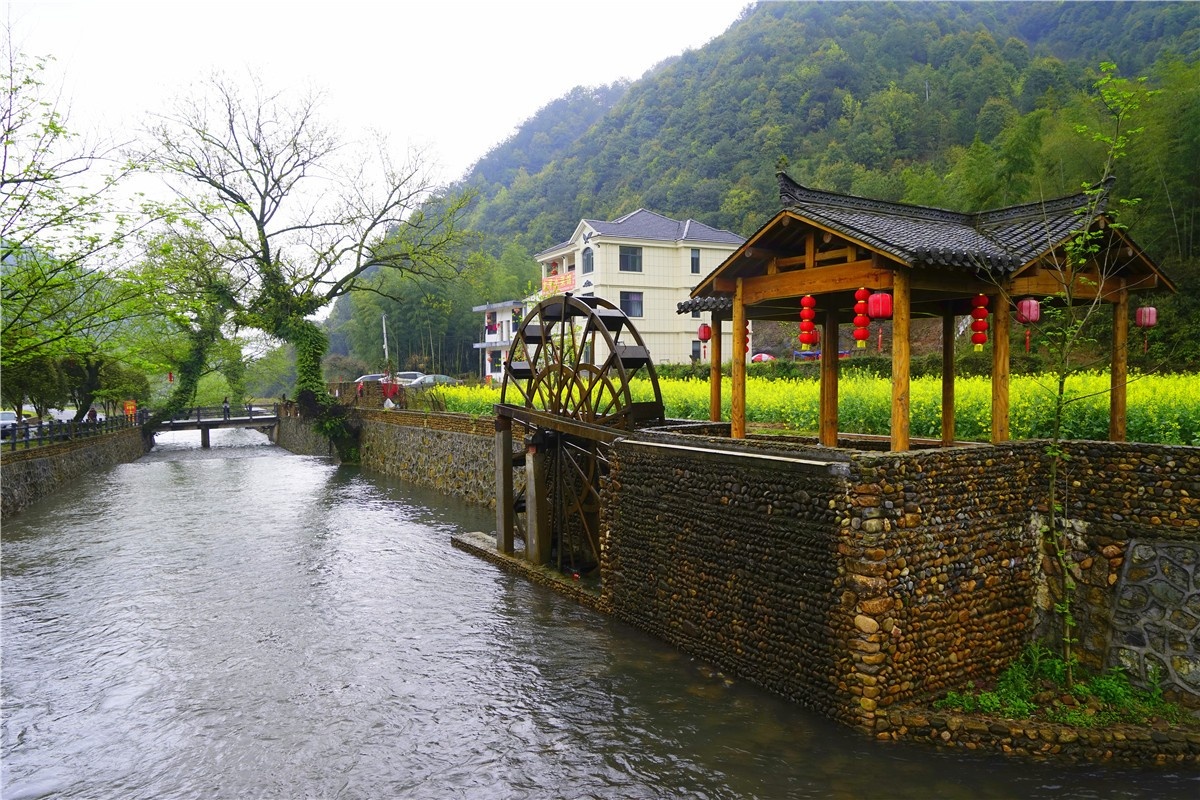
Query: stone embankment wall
x=297, y=436
x=452, y=453
x=1135, y=513
x=37, y=472
x=862, y=584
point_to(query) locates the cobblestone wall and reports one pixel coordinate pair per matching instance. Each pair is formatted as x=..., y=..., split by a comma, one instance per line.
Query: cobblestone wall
x=452, y=453
x=31, y=474
x=1136, y=555
x=893, y=577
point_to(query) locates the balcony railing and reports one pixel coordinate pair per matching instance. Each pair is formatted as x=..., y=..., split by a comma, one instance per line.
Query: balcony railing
x=557, y=284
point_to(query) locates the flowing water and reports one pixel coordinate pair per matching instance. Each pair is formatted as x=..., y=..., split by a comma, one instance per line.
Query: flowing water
x=243, y=622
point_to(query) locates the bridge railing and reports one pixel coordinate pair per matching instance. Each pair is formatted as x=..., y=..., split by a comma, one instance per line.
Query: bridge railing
x=45, y=432
x=246, y=411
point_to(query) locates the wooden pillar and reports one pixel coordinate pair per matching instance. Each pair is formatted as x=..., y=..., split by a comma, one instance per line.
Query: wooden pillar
x=948, y=375
x=505, y=512
x=714, y=373
x=1001, y=330
x=829, y=379
x=537, y=504
x=1120, y=366
x=901, y=353
x=204, y=441
x=737, y=400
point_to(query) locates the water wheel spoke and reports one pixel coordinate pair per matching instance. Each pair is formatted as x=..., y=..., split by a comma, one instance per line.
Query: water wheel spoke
x=574, y=370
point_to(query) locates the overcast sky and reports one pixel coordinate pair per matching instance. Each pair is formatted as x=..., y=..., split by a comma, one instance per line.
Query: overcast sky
x=456, y=77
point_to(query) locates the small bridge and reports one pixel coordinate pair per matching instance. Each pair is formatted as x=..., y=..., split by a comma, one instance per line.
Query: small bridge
x=205, y=419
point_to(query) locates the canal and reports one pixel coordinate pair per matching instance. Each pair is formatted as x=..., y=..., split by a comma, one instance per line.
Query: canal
x=243, y=622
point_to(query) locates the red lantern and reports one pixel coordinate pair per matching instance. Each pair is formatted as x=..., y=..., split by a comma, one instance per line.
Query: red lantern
x=171, y=375
x=879, y=306
x=979, y=325
x=861, y=321
x=1145, y=317
x=1029, y=311
x=808, y=327
x=704, y=333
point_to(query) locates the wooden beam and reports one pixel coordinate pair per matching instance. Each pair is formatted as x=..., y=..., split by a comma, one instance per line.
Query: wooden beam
x=714, y=373
x=810, y=249
x=1001, y=330
x=829, y=380
x=505, y=511
x=901, y=352
x=1120, y=368
x=1087, y=286
x=948, y=331
x=737, y=357
x=822, y=280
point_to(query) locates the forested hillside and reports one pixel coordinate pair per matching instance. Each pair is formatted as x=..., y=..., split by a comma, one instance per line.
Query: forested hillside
x=958, y=105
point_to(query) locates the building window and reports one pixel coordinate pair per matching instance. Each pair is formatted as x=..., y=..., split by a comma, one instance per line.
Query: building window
x=631, y=303
x=631, y=259
x=695, y=350
x=695, y=261
x=695, y=315
x=588, y=262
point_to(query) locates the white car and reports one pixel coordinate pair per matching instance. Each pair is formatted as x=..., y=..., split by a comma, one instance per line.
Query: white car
x=8, y=423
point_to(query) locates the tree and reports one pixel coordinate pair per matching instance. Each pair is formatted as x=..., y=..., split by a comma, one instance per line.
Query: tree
x=273, y=189
x=59, y=236
x=1082, y=267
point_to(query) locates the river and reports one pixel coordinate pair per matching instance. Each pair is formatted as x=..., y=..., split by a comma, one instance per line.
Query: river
x=243, y=622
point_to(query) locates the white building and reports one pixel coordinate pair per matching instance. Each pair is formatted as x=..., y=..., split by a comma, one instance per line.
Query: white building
x=500, y=322
x=646, y=264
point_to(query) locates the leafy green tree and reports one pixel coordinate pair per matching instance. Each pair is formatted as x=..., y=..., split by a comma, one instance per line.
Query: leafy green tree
x=59, y=236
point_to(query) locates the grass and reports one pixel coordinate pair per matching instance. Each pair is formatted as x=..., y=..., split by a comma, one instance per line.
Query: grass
x=1035, y=687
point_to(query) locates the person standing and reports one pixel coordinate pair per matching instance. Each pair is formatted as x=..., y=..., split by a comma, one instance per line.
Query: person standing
x=225, y=407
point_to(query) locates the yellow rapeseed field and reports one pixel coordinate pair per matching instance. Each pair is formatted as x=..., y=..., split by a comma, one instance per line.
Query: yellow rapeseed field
x=1162, y=409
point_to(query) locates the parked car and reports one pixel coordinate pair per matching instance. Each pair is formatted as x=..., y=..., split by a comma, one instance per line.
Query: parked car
x=400, y=378
x=429, y=381
x=373, y=377
x=8, y=423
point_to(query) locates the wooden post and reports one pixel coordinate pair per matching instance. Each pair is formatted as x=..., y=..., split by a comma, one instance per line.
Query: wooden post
x=948, y=375
x=829, y=379
x=737, y=411
x=204, y=437
x=1001, y=330
x=505, y=511
x=714, y=373
x=1120, y=367
x=901, y=352
x=537, y=504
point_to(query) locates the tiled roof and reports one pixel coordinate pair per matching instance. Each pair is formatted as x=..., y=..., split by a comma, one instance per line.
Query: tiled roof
x=1000, y=240
x=643, y=224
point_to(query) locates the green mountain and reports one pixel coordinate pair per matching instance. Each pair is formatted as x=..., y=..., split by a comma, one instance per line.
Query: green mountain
x=882, y=99
x=957, y=105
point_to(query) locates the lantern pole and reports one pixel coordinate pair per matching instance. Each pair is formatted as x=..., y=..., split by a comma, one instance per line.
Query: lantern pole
x=948, y=374
x=901, y=349
x=829, y=379
x=737, y=401
x=714, y=372
x=1120, y=366
x=1002, y=325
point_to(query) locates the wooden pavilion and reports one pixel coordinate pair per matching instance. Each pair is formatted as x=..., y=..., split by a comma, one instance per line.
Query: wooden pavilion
x=933, y=263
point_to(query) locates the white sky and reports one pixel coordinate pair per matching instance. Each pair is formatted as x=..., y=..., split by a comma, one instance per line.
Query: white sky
x=455, y=77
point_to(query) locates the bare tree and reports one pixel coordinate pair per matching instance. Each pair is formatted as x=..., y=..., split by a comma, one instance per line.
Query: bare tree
x=300, y=216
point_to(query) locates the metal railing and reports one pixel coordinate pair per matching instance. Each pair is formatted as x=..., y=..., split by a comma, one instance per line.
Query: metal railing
x=202, y=413
x=44, y=432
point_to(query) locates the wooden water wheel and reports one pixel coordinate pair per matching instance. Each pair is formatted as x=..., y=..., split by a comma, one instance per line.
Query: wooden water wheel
x=571, y=375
